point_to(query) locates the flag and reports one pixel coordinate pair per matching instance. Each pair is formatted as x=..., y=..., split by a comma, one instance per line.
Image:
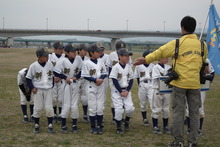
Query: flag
x=213, y=39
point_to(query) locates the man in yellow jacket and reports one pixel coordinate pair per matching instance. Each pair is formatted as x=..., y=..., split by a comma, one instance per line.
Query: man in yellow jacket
x=187, y=86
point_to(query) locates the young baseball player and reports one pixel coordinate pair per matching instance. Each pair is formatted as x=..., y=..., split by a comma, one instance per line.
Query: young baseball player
x=25, y=95
x=143, y=73
x=210, y=71
x=160, y=102
x=68, y=70
x=82, y=52
x=94, y=71
x=111, y=61
x=40, y=81
x=122, y=79
x=58, y=85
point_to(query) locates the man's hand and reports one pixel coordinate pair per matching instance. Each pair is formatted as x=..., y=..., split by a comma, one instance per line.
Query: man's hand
x=124, y=93
x=99, y=82
x=68, y=80
x=140, y=61
x=34, y=90
x=74, y=78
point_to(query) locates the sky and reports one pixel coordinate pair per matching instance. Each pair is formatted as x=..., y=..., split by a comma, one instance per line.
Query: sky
x=139, y=15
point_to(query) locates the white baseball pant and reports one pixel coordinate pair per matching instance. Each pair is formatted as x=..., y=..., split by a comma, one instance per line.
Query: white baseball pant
x=58, y=92
x=23, y=99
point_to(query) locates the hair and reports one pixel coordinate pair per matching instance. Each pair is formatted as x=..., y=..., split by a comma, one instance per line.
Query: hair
x=188, y=23
x=90, y=54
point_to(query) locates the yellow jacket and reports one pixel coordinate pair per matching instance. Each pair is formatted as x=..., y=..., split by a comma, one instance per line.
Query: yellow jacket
x=189, y=60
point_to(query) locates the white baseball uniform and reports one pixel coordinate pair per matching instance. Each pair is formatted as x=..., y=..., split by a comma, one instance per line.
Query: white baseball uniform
x=21, y=79
x=94, y=93
x=42, y=79
x=71, y=91
x=58, y=88
x=123, y=76
x=160, y=102
x=145, y=90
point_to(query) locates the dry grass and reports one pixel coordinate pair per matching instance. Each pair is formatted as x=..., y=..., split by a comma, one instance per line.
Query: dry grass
x=14, y=133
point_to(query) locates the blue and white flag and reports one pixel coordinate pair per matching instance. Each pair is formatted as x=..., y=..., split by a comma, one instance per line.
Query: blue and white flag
x=213, y=39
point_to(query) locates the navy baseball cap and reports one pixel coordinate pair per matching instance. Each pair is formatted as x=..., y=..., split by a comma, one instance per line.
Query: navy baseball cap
x=120, y=44
x=42, y=52
x=94, y=48
x=124, y=52
x=70, y=48
x=145, y=53
x=82, y=47
x=58, y=45
x=101, y=45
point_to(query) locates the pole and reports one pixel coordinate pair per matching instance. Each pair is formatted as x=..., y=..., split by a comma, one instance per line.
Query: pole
x=200, y=38
x=88, y=24
x=3, y=23
x=164, y=26
x=127, y=25
x=47, y=24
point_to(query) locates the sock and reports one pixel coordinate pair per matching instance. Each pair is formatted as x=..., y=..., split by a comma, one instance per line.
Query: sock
x=99, y=120
x=113, y=113
x=201, y=122
x=85, y=108
x=144, y=115
x=74, y=122
x=63, y=122
x=127, y=119
x=24, y=109
x=92, y=121
x=55, y=110
x=60, y=110
x=118, y=123
x=188, y=122
x=36, y=120
x=155, y=122
x=31, y=109
x=165, y=122
x=50, y=120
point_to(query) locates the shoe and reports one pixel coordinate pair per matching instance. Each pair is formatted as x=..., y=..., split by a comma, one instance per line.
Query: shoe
x=192, y=144
x=175, y=144
x=64, y=129
x=25, y=119
x=85, y=119
x=166, y=130
x=99, y=130
x=114, y=121
x=93, y=130
x=55, y=119
x=156, y=130
x=75, y=129
x=36, y=129
x=188, y=131
x=119, y=131
x=146, y=123
x=127, y=126
x=50, y=128
x=199, y=133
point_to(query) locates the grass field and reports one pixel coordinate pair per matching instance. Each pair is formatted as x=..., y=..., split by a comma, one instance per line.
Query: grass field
x=14, y=133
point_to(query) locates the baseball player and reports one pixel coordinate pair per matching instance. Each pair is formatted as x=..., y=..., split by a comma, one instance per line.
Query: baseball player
x=40, y=80
x=82, y=52
x=143, y=73
x=111, y=61
x=122, y=79
x=94, y=71
x=25, y=95
x=210, y=71
x=160, y=102
x=58, y=85
x=68, y=70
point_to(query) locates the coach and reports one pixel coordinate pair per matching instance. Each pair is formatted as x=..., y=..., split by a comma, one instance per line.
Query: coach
x=187, y=86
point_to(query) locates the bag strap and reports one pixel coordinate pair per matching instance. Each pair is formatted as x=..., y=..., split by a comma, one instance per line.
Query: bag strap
x=202, y=49
x=176, y=53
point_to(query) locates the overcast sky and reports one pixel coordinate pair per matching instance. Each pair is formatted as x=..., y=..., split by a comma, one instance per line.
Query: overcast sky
x=145, y=15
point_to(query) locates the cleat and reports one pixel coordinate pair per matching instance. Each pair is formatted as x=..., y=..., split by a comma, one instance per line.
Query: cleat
x=50, y=128
x=146, y=123
x=75, y=129
x=99, y=130
x=166, y=130
x=175, y=144
x=119, y=131
x=85, y=119
x=192, y=144
x=156, y=130
x=93, y=130
x=64, y=130
x=36, y=129
x=25, y=119
x=127, y=126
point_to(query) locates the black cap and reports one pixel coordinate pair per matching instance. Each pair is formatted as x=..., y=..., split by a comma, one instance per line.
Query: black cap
x=124, y=52
x=82, y=47
x=42, y=52
x=145, y=53
x=94, y=48
x=58, y=45
x=70, y=48
x=101, y=45
x=120, y=44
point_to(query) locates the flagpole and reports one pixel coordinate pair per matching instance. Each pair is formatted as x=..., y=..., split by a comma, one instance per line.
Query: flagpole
x=200, y=38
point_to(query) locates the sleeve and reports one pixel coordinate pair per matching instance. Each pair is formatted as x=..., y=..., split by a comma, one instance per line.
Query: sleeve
x=113, y=73
x=85, y=70
x=109, y=62
x=29, y=83
x=130, y=85
x=136, y=75
x=116, y=84
x=19, y=77
x=62, y=76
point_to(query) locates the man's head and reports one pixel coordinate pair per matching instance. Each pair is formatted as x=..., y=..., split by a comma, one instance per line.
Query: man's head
x=70, y=51
x=188, y=24
x=123, y=55
x=94, y=51
x=42, y=54
x=82, y=50
x=58, y=47
x=120, y=44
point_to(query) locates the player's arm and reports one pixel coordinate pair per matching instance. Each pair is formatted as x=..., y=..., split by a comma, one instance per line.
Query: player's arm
x=116, y=84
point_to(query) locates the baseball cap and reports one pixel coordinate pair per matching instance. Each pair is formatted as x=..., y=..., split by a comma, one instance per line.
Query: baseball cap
x=120, y=44
x=82, y=47
x=101, y=45
x=42, y=52
x=124, y=52
x=70, y=48
x=58, y=45
x=94, y=48
x=145, y=53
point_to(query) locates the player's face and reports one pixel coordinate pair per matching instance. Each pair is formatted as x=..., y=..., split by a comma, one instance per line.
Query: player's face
x=71, y=55
x=43, y=59
x=58, y=51
x=124, y=59
x=164, y=60
x=82, y=53
x=101, y=53
x=95, y=55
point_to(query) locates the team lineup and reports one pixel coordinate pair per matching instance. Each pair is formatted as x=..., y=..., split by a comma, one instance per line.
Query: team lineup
x=58, y=82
